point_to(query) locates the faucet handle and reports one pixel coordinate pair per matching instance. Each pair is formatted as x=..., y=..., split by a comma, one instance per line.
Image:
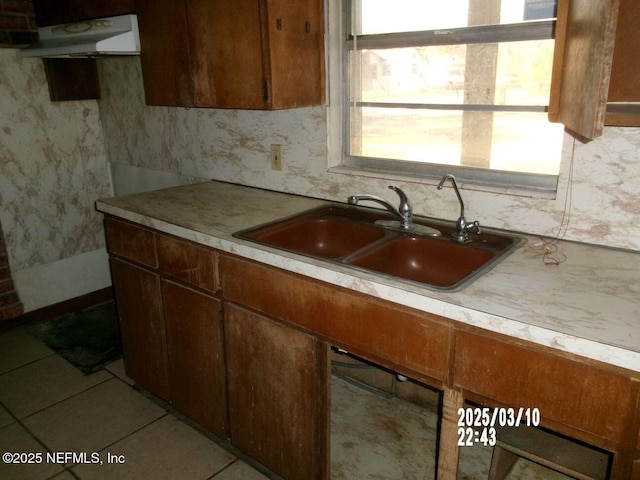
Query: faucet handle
x=405, y=207
x=463, y=229
x=474, y=228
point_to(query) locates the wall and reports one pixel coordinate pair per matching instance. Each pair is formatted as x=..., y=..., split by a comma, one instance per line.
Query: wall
x=56, y=160
x=10, y=304
x=54, y=167
x=600, y=204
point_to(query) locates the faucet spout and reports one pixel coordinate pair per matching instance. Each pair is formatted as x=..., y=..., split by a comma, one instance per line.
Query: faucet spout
x=356, y=199
x=463, y=228
x=404, y=210
x=455, y=188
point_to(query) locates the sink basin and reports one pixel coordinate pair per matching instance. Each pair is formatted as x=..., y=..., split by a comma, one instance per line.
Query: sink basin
x=324, y=237
x=352, y=236
x=437, y=262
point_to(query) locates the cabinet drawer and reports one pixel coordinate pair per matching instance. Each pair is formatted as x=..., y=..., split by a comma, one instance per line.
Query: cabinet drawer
x=187, y=262
x=130, y=241
x=412, y=343
x=571, y=393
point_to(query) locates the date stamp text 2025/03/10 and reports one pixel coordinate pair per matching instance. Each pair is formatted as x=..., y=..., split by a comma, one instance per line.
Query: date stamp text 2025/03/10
x=477, y=425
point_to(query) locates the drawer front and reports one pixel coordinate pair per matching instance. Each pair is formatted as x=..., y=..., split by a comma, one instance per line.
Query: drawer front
x=370, y=328
x=187, y=262
x=130, y=241
x=565, y=391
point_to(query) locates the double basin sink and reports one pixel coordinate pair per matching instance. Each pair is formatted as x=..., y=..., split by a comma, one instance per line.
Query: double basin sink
x=349, y=235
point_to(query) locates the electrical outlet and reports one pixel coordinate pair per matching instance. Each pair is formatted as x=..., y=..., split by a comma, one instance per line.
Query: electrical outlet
x=276, y=156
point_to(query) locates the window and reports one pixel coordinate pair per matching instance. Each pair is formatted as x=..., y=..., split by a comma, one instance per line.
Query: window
x=459, y=86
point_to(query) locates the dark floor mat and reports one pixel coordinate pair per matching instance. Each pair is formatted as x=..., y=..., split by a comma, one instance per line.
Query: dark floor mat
x=88, y=339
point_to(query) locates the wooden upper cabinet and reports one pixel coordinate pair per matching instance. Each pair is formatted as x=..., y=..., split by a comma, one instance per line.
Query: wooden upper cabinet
x=55, y=12
x=104, y=8
x=595, y=62
x=226, y=53
x=245, y=54
x=164, y=52
x=296, y=67
x=625, y=68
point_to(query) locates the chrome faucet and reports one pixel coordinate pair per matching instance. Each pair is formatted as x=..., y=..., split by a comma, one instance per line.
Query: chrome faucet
x=404, y=210
x=463, y=228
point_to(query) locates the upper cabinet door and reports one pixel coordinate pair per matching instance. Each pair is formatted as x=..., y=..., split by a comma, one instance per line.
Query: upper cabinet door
x=244, y=54
x=104, y=8
x=295, y=50
x=164, y=55
x=55, y=12
x=625, y=70
x=226, y=53
x=585, y=37
x=596, y=78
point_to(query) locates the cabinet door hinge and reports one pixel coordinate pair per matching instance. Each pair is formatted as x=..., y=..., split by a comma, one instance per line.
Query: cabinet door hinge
x=265, y=92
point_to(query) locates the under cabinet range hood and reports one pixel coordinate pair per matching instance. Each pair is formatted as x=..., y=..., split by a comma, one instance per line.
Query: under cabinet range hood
x=90, y=38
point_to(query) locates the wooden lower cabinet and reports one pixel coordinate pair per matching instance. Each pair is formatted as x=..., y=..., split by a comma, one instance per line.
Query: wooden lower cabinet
x=278, y=394
x=583, y=401
x=409, y=342
x=170, y=320
x=139, y=303
x=242, y=349
x=195, y=353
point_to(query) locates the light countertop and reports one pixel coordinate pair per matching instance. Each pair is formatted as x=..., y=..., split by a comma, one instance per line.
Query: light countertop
x=588, y=305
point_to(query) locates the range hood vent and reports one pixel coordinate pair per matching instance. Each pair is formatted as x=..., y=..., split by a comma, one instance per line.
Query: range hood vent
x=105, y=36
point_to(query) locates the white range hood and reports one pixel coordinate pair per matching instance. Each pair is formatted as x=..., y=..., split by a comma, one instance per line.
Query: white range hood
x=105, y=36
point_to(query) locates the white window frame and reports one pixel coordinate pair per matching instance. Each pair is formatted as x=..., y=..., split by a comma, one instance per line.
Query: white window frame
x=338, y=131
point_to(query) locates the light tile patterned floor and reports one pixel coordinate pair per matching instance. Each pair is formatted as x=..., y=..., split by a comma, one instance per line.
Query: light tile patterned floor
x=47, y=405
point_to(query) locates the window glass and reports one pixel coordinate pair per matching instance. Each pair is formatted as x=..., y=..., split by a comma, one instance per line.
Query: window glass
x=383, y=16
x=461, y=83
x=454, y=138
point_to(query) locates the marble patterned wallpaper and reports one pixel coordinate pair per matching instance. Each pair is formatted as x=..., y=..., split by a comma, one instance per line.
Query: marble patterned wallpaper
x=56, y=159
x=600, y=205
x=53, y=167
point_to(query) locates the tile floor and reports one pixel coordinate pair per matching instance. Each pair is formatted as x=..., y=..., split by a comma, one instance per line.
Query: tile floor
x=373, y=437
x=47, y=405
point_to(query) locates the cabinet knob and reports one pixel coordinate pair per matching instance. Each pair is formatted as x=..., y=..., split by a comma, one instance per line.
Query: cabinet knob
x=279, y=24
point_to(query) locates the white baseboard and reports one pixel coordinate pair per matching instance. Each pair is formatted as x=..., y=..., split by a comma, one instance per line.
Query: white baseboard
x=56, y=282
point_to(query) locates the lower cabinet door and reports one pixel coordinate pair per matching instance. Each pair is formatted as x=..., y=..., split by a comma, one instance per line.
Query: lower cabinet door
x=193, y=325
x=139, y=304
x=278, y=394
